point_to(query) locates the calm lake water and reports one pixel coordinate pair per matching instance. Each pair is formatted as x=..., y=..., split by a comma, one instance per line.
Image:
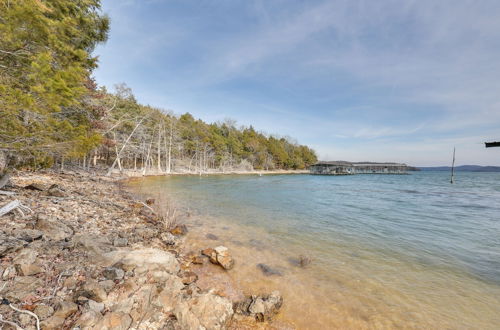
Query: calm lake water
x=402, y=251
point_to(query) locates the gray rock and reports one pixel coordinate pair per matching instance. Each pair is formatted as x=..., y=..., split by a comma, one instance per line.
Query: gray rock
x=113, y=273
x=28, y=235
x=168, y=239
x=9, y=244
x=268, y=270
x=95, y=306
x=120, y=242
x=107, y=285
x=212, y=237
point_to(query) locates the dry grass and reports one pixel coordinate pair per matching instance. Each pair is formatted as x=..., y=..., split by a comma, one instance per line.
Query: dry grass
x=166, y=210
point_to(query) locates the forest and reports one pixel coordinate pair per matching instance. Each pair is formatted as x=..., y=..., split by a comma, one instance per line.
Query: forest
x=53, y=113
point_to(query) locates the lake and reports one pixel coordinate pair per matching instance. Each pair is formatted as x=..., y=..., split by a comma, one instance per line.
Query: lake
x=387, y=251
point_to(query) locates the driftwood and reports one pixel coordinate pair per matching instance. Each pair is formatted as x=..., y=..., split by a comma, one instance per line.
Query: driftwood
x=7, y=193
x=14, y=205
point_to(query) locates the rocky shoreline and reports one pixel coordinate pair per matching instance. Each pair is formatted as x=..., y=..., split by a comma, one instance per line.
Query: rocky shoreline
x=84, y=253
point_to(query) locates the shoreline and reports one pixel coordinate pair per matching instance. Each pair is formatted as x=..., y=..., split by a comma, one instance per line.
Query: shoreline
x=138, y=174
x=89, y=254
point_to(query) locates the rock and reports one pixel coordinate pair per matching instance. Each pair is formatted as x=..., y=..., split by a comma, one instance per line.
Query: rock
x=107, y=285
x=302, y=261
x=65, y=309
x=55, y=191
x=223, y=257
x=168, y=239
x=212, y=237
x=189, y=277
x=211, y=254
x=25, y=263
x=92, y=290
x=146, y=258
x=22, y=286
x=25, y=320
x=205, y=311
x=35, y=186
x=9, y=244
x=28, y=269
x=53, y=229
x=115, y=321
x=52, y=323
x=146, y=233
x=268, y=271
x=88, y=320
x=261, y=307
x=44, y=311
x=94, y=244
x=113, y=273
x=95, y=306
x=28, y=235
x=179, y=230
x=120, y=242
x=8, y=273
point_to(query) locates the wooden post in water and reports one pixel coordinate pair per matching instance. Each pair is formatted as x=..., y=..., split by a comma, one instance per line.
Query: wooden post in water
x=453, y=166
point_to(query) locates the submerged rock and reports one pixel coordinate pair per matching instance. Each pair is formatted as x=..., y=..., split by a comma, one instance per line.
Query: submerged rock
x=302, y=261
x=268, y=271
x=212, y=237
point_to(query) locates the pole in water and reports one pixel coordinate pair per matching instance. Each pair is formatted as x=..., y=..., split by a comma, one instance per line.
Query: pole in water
x=453, y=166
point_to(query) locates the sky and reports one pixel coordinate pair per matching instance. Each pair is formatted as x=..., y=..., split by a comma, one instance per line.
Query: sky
x=385, y=80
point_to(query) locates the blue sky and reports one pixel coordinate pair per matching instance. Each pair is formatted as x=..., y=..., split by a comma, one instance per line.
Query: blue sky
x=385, y=80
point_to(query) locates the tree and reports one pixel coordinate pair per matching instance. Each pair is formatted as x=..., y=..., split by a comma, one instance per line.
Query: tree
x=45, y=62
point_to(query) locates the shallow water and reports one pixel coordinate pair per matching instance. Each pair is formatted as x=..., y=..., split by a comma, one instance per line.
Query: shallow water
x=407, y=251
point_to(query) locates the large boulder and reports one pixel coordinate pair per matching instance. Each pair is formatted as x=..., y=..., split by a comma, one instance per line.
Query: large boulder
x=145, y=259
x=204, y=311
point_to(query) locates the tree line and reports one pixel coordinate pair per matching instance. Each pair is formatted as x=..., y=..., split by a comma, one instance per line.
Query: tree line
x=53, y=112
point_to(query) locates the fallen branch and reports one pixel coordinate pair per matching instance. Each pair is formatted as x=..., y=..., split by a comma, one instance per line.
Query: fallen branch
x=24, y=311
x=14, y=205
x=7, y=193
x=12, y=324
